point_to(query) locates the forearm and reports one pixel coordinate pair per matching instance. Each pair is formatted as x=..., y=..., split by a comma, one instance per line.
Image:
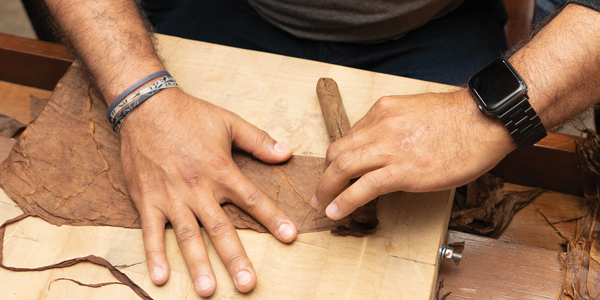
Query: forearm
x=561, y=65
x=110, y=39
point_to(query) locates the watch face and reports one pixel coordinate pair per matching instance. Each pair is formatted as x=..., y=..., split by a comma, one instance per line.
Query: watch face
x=497, y=85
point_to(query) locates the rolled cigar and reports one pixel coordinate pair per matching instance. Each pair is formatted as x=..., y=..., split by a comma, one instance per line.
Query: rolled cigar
x=336, y=120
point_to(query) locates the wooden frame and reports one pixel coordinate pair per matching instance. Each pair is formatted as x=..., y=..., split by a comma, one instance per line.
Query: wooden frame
x=31, y=62
x=550, y=164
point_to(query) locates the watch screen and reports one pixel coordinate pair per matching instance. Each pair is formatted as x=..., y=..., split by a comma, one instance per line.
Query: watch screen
x=495, y=84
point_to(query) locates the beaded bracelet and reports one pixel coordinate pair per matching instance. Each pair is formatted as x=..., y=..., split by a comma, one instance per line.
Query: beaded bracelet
x=122, y=109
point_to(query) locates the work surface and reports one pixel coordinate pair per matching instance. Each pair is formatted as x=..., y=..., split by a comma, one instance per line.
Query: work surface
x=277, y=94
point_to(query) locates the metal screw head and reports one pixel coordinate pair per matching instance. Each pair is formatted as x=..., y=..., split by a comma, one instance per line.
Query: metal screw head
x=447, y=252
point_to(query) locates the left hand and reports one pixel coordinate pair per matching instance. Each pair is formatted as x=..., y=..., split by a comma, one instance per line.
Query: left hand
x=415, y=143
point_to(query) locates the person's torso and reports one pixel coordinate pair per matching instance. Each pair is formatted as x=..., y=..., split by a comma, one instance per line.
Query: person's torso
x=351, y=20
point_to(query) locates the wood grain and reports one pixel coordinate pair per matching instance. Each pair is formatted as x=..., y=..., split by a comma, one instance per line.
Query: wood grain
x=528, y=227
x=492, y=269
x=280, y=98
x=32, y=63
x=550, y=164
x=16, y=100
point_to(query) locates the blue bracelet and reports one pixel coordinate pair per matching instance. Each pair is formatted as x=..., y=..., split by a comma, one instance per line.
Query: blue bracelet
x=132, y=88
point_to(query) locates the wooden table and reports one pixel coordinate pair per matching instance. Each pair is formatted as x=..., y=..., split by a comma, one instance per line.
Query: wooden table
x=277, y=94
x=401, y=265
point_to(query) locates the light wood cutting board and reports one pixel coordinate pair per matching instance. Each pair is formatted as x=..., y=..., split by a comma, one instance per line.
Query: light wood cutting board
x=277, y=94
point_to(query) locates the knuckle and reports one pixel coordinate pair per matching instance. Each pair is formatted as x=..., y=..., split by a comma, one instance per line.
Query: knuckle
x=332, y=151
x=219, y=163
x=153, y=252
x=384, y=104
x=254, y=200
x=261, y=137
x=219, y=227
x=191, y=180
x=376, y=181
x=235, y=259
x=186, y=233
x=321, y=189
x=198, y=263
x=342, y=163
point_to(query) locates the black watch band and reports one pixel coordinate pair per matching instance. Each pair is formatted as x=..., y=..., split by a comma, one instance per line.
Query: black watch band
x=523, y=124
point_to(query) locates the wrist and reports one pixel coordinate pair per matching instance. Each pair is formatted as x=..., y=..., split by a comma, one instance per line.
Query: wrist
x=488, y=130
x=120, y=81
x=151, y=111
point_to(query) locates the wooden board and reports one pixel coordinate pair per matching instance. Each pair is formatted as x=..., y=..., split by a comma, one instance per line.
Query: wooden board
x=15, y=101
x=492, y=269
x=277, y=94
x=528, y=227
x=47, y=60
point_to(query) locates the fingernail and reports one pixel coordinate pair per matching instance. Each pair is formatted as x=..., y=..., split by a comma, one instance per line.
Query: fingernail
x=286, y=231
x=203, y=283
x=314, y=202
x=157, y=273
x=243, y=278
x=332, y=211
x=281, y=148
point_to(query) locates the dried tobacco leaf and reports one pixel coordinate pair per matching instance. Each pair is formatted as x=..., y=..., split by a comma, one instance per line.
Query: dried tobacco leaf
x=69, y=172
x=494, y=207
x=581, y=271
x=71, y=262
x=36, y=105
x=9, y=126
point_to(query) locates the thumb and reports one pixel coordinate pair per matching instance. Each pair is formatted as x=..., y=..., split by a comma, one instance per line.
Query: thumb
x=257, y=142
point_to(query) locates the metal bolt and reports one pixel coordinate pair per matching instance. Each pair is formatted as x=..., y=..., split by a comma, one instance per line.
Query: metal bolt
x=447, y=252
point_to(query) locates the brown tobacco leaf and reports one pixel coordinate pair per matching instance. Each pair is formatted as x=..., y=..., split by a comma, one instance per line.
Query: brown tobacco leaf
x=581, y=270
x=36, y=105
x=496, y=207
x=71, y=262
x=66, y=169
x=364, y=221
x=9, y=126
x=290, y=185
x=92, y=285
x=6, y=145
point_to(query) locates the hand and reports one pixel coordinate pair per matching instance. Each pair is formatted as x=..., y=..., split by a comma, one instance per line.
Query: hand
x=416, y=143
x=176, y=156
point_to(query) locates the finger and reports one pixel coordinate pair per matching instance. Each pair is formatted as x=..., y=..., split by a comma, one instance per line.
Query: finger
x=190, y=241
x=228, y=245
x=255, y=202
x=153, y=232
x=367, y=188
x=253, y=140
x=343, y=168
x=349, y=142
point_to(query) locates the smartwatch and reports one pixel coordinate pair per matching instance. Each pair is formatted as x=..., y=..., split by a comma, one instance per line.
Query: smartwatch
x=500, y=92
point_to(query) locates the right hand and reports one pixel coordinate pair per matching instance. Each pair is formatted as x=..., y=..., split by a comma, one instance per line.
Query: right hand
x=176, y=156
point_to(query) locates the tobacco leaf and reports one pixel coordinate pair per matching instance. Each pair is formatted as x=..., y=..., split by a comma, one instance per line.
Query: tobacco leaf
x=581, y=269
x=364, y=221
x=489, y=209
x=92, y=285
x=36, y=106
x=71, y=262
x=9, y=126
x=6, y=145
x=66, y=169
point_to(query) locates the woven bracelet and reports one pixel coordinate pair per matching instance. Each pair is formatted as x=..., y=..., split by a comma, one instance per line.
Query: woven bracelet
x=132, y=88
x=121, y=110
